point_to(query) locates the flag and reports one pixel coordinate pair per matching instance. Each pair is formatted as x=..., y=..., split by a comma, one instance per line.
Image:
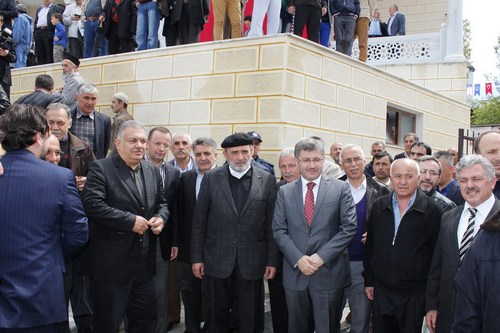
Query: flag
x=488, y=89
x=477, y=89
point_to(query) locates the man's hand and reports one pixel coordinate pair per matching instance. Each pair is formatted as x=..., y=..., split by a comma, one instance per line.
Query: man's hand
x=291, y=10
x=323, y=11
x=3, y=53
x=430, y=320
x=198, y=270
x=56, y=39
x=363, y=238
x=80, y=182
x=101, y=18
x=140, y=225
x=1, y=169
x=369, y=293
x=307, y=265
x=173, y=252
x=156, y=224
x=270, y=272
x=316, y=259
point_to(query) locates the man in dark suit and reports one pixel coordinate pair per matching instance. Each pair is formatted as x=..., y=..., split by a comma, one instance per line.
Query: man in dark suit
x=87, y=124
x=43, y=33
x=396, y=23
x=41, y=222
x=42, y=96
x=120, y=23
x=364, y=191
x=488, y=146
x=205, y=154
x=232, y=246
x=159, y=139
x=409, y=140
x=448, y=186
x=403, y=227
x=314, y=222
x=477, y=180
x=126, y=206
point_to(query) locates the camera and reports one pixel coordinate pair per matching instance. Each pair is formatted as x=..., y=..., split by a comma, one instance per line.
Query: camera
x=5, y=35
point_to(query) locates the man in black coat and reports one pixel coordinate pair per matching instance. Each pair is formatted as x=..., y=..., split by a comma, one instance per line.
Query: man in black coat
x=43, y=33
x=232, y=245
x=120, y=23
x=185, y=21
x=42, y=96
x=125, y=203
x=402, y=231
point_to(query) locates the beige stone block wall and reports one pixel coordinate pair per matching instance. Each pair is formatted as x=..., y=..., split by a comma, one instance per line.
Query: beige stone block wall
x=422, y=16
x=286, y=88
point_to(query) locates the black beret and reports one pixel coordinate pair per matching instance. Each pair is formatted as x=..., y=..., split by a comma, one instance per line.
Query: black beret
x=72, y=58
x=236, y=140
x=255, y=136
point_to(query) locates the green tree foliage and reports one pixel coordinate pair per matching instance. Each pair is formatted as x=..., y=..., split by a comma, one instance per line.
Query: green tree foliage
x=467, y=39
x=486, y=111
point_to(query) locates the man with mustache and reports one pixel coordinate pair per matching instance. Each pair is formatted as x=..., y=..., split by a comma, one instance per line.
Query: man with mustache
x=459, y=226
x=488, y=146
x=232, y=245
x=403, y=227
x=381, y=167
x=428, y=180
x=125, y=203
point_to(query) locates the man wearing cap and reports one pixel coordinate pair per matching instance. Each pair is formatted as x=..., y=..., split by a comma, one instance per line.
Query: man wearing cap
x=257, y=140
x=232, y=244
x=119, y=103
x=72, y=80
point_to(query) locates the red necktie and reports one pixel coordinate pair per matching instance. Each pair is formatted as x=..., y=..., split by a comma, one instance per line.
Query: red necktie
x=114, y=14
x=309, y=203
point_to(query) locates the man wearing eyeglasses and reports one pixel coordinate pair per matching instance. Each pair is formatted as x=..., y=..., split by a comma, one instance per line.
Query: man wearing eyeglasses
x=428, y=180
x=314, y=222
x=364, y=191
x=403, y=227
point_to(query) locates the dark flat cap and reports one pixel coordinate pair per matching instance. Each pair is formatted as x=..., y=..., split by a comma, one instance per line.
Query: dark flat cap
x=72, y=58
x=255, y=136
x=236, y=140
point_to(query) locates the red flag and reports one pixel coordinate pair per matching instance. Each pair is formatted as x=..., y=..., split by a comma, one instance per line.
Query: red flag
x=488, y=88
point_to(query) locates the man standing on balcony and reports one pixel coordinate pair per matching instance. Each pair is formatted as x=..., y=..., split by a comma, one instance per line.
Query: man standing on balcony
x=362, y=23
x=396, y=23
x=148, y=21
x=91, y=9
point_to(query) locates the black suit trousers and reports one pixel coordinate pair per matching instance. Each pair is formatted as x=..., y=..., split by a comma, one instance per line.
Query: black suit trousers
x=247, y=296
x=112, y=301
x=43, y=46
x=309, y=16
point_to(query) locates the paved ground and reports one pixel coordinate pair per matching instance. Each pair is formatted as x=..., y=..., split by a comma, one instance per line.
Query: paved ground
x=268, y=327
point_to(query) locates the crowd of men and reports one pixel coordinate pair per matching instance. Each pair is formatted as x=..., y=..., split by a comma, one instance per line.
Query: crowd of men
x=90, y=28
x=111, y=227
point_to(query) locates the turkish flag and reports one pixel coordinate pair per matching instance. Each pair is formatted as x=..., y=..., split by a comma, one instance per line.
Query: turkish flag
x=488, y=88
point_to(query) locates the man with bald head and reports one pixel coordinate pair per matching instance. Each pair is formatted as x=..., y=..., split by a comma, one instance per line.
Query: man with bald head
x=403, y=227
x=488, y=145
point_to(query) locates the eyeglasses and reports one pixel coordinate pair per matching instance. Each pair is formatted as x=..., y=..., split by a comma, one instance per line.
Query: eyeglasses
x=432, y=173
x=352, y=160
x=315, y=160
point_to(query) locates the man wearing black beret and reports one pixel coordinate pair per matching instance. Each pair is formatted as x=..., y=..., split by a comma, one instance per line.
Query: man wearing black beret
x=232, y=242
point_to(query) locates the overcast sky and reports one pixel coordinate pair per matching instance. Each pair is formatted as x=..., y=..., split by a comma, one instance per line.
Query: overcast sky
x=484, y=16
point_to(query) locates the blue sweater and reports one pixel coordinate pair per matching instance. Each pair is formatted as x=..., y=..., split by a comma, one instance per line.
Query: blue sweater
x=356, y=250
x=61, y=34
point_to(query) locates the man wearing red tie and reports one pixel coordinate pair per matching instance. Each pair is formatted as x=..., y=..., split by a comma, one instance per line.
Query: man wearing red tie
x=314, y=222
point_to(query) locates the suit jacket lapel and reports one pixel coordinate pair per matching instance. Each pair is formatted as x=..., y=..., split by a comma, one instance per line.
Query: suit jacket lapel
x=323, y=188
x=297, y=194
x=149, y=184
x=226, y=189
x=254, y=188
x=453, y=234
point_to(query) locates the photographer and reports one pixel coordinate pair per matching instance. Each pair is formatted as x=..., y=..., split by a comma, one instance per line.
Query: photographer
x=7, y=56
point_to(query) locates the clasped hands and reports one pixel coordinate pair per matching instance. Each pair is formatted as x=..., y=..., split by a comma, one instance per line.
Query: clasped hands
x=141, y=225
x=310, y=264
